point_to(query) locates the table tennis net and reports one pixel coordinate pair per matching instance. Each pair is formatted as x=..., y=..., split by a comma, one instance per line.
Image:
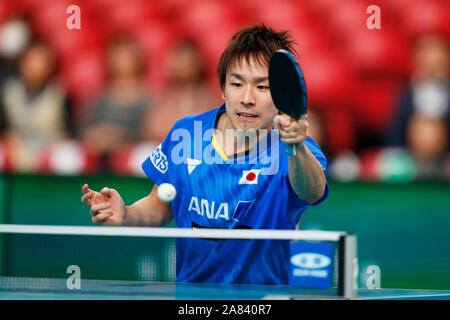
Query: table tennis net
x=45, y=258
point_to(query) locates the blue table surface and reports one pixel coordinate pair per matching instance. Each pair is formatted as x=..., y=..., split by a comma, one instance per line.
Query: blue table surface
x=40, y=288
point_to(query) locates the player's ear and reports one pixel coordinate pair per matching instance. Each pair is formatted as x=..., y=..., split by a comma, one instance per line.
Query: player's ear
x=223, y=95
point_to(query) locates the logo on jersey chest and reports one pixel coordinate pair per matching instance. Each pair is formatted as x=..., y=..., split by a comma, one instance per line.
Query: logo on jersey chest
x=211, y=210
x=192, y=164
x=218, y=210
x=250, y=176
x=159, y=160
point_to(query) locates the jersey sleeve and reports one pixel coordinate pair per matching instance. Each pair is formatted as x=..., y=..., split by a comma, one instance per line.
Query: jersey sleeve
x=318, y=154
x=158, y=166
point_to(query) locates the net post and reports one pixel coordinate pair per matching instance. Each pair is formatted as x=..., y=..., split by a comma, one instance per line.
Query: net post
x=347, y=270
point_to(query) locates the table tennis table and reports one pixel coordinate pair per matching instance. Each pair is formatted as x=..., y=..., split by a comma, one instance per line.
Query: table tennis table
x=14, y=288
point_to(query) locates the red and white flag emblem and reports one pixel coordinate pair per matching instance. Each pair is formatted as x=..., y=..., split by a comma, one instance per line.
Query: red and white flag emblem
x=250, y=176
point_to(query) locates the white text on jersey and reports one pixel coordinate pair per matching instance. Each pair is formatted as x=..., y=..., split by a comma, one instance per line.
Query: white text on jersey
x=204, y=208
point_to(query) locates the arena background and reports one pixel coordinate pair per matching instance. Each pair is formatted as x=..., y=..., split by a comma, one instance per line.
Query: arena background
x=392, y=193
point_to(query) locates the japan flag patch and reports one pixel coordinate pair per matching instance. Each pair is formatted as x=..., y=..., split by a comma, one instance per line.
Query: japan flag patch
x=250, y=176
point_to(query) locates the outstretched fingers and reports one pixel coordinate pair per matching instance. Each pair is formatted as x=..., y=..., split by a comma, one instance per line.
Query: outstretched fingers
x=100, y=204
x=88, y=195
x=107, y=192
x=101, y=217
x=85, y=188
x=100, y=212
x=96, y=208
x=87, y=198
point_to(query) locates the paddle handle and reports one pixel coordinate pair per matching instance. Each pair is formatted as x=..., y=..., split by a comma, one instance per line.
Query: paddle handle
x=291, y=149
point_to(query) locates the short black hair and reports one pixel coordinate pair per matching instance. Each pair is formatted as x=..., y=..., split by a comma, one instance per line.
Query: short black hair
x=257, y=41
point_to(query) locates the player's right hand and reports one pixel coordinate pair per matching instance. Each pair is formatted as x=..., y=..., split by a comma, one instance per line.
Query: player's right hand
x=106, y=207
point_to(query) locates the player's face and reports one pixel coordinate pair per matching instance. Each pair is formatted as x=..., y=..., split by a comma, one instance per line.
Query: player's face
x=247, y=96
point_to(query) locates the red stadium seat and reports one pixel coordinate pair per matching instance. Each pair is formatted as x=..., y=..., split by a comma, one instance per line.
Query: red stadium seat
x=374, y=104
x=177, y=6
x=381, y=51
x=424, y=16
x=47, y=18
x=212, y=42
x=130, y=15
x=156, y=40
x=71, y=42
x=282, y=14
x=310, y=37
x=215, y=42
x=83, y=73
x=397, y=6
x=339, y=127
x=21, y=6
x=348, y=16
x=102, y=5
x=128, y=160
x=202, y=16
x=68, y=158
x=5, y=12
x=155, y=37
x=329, y=80
x=375, y=52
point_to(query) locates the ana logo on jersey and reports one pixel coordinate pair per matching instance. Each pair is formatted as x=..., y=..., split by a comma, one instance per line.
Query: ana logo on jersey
x=209, y=210
x=204, y=208
x=250, y=176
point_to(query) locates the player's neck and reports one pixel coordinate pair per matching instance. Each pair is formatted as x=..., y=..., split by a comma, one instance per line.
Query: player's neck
x=234, y=141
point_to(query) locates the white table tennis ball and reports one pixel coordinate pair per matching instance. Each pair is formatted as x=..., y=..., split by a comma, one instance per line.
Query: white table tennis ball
x=166, y=192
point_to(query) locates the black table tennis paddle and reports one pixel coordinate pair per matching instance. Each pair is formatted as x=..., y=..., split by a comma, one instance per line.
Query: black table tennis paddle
x=287, y=87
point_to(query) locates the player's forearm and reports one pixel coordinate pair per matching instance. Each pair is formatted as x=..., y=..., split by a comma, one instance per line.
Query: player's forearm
x=146, y=212
x=306, y=175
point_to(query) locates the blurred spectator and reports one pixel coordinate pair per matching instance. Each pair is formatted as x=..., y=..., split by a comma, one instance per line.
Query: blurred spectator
x=428, y=92
x=14, y=38
x=316, y=128
x=117, y=113
x=423, y=118
x=34, y=109
x=428, y=144
x=188, y=92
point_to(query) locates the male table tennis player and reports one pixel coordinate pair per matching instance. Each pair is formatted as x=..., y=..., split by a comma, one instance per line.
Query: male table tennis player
x=235, y=192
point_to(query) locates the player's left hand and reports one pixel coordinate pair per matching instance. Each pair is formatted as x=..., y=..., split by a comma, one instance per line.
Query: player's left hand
x=292, y=131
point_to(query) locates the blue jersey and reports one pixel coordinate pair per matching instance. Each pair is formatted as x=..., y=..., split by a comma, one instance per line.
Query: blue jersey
x=248, y=192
